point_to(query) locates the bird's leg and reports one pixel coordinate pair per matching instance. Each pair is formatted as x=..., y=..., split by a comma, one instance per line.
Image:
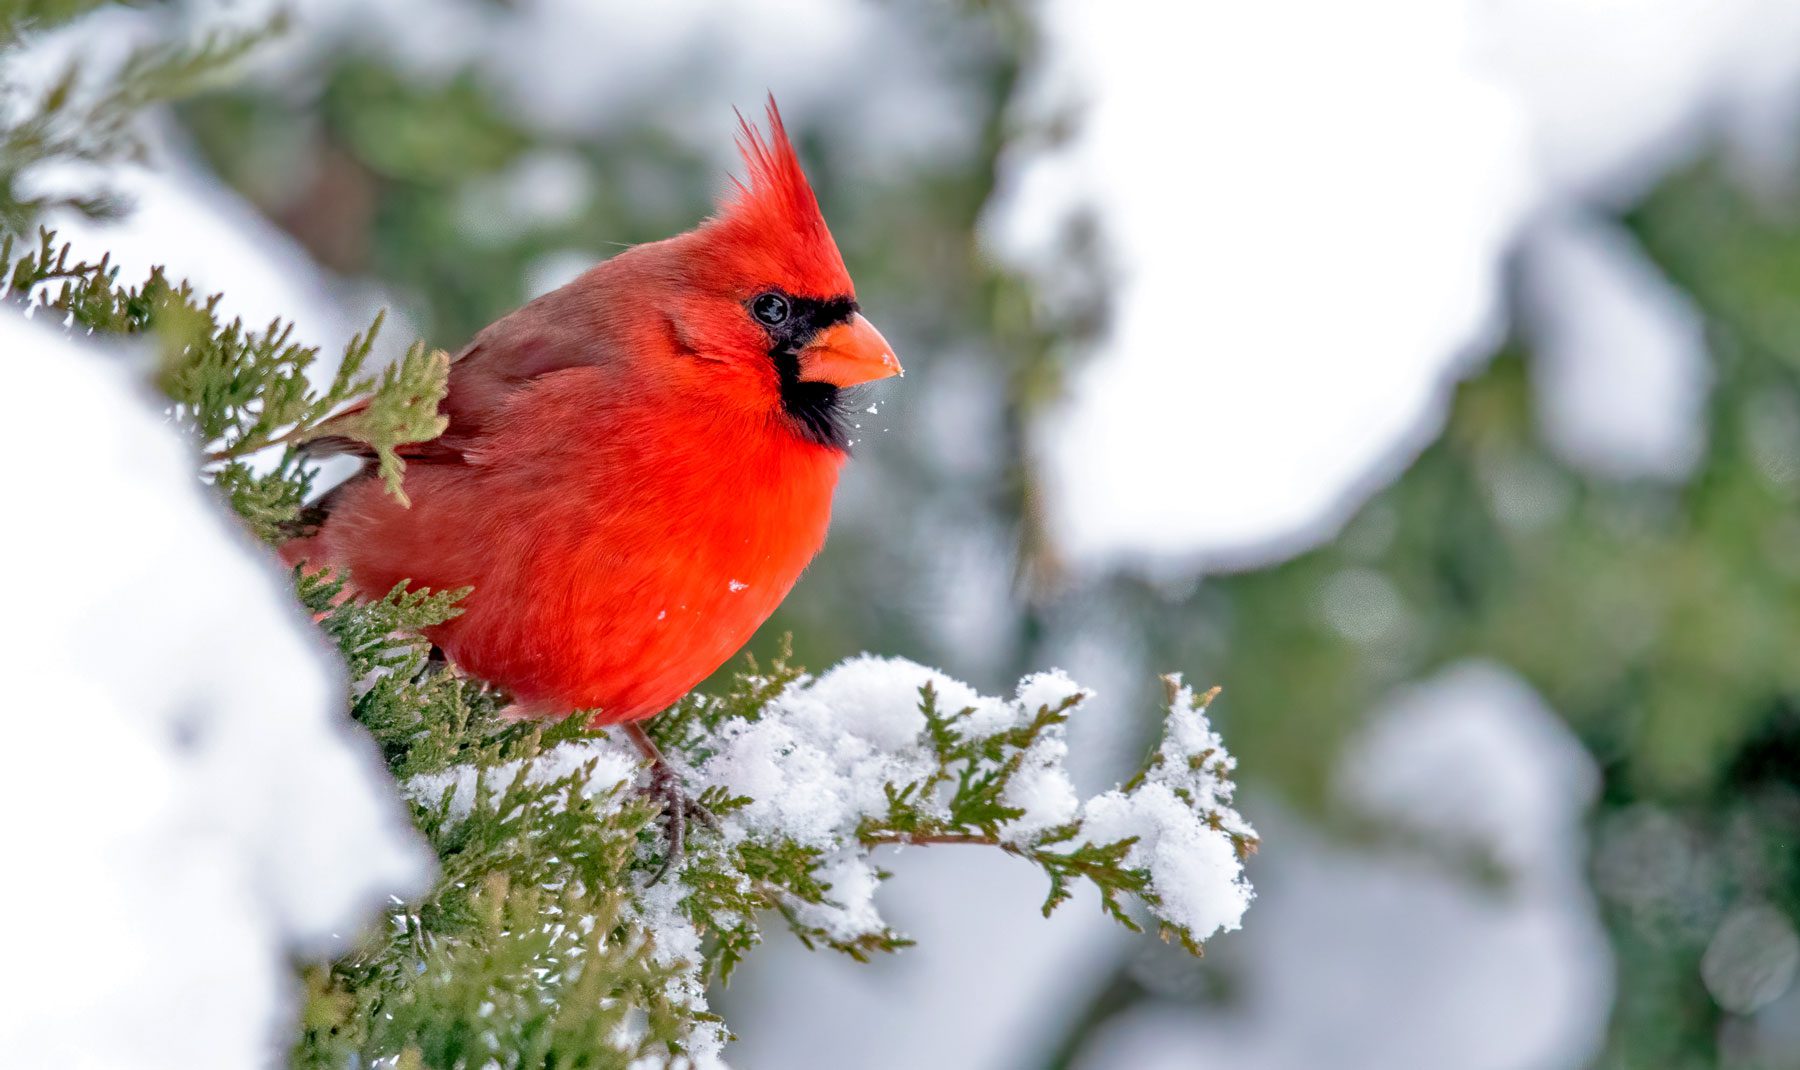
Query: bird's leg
x=678, y=807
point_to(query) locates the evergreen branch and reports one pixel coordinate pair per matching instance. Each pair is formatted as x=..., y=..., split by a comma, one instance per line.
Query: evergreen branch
x=241, y=391
x=93, y=120
x=544, y=933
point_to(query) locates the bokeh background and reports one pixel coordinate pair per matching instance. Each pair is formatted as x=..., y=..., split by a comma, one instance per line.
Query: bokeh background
x=1424, y=372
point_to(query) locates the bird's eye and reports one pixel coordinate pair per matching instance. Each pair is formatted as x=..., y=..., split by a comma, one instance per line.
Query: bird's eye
x=772, y=309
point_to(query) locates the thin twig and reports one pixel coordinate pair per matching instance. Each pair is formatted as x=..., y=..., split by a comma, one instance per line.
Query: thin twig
x=902, y=839
x=242, y=448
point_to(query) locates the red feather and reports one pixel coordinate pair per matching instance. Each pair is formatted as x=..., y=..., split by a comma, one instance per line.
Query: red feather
x=619, y=482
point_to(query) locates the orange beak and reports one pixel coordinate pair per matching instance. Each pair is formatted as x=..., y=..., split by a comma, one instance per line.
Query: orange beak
x=848, y=354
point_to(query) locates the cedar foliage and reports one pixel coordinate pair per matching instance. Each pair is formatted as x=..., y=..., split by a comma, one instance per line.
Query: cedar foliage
x=1657, y=618
x=536, y=946
x=539, y=945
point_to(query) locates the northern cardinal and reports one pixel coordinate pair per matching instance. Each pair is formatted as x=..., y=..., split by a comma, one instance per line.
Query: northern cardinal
x=637, y=466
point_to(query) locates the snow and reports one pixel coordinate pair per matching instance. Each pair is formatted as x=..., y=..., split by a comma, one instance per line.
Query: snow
x=1751, y=960
x=1621, y=371
x=1297, y=260
x=188, y=222
x=614, y=766
x=851, y=912
x=816, y=762
x=1448, y=959
x=824, y=753
x=1042, y=789
x=821, y=757
x=573, y=66
x=1194, y=868
x=1374, y=957
x=827, y=754
x=1619, y=92
x=675, y=940
x=1473, y=753
x=986, y=964
x=200, y=810
x=1046, y=690
x=1316, y=250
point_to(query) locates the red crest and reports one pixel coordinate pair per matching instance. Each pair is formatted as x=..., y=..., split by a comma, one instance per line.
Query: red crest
x=769, y=228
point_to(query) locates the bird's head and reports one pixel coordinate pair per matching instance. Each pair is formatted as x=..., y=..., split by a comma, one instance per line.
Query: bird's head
x=765, y=291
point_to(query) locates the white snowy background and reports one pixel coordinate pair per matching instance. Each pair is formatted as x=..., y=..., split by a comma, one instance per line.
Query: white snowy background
x=1311, y=205
x=222, y=815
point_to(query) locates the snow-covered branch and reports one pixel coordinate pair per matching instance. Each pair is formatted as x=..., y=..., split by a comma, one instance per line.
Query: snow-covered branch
x=548, y=931
x=812, y=777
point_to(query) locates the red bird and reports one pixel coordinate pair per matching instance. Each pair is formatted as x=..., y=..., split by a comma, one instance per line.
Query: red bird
x=637, y=466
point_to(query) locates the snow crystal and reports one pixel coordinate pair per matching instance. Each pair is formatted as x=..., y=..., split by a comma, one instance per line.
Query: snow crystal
x=851, y=911
x=201, y=809
x=658, y=909
x=1043, y=790
x=876, y=700
x=658, y=906
x=1047, y=689
x=802, y=785
x=614, y=765
x=1195, y=870
x=1042, y=787
x=820, y=758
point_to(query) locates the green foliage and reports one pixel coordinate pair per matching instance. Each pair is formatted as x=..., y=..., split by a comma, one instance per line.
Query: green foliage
x=411, y=179
x=83, y=118
x=978, y=770
x=1658, y=617
x=402, y=410
x=384, y=171
x=539, y=942
x=238, y=390
x=542, y=942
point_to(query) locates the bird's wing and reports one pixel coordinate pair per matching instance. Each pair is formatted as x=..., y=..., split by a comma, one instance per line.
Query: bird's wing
x=510, y=353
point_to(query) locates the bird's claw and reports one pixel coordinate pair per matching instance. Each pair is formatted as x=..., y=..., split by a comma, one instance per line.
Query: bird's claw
x=678, y=810
x=678, y=807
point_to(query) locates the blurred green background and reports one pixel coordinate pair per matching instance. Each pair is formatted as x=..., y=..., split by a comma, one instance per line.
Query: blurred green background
x=1659, y=619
